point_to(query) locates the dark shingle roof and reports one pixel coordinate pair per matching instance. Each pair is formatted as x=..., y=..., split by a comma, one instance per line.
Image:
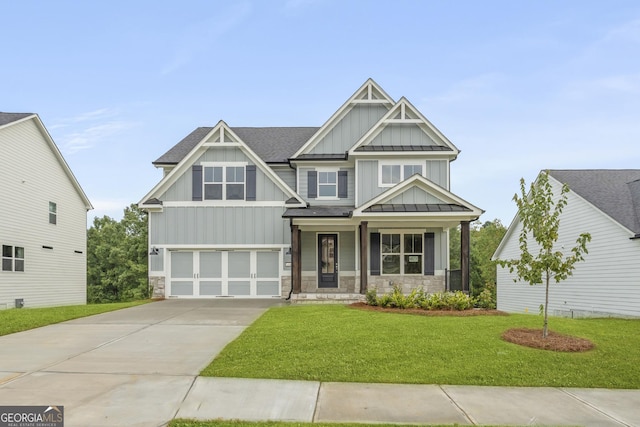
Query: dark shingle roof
x=614, y=192
x=272, y=144
x=434, y=207
x=6, y=118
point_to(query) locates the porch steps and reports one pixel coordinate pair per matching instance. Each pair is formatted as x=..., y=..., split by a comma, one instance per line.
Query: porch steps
x=326, y=298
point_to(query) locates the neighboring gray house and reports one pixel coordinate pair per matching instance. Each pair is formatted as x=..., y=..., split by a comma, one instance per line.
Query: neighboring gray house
x=606, y=204
x=362, y=201
x=43, y=219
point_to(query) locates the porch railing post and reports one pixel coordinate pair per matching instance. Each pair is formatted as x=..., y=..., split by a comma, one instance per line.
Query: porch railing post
x=296, y=268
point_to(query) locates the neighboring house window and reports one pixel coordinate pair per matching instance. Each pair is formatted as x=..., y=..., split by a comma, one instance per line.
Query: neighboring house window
x=224, y=182
x=401, y=253
x=393, y=173
x=53, y=213
x=12, y=258
x=328, y=184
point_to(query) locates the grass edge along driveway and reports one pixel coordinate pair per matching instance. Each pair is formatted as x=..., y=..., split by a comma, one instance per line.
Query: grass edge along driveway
x=17, y=320
x=342, y=344
x=237, y=423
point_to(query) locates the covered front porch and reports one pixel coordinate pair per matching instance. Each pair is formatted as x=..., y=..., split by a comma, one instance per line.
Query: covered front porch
x=336, y=255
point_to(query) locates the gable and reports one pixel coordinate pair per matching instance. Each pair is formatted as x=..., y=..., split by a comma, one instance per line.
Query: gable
x=219, y=145
x=415, y=195
x=373, y=101
x=404, y=128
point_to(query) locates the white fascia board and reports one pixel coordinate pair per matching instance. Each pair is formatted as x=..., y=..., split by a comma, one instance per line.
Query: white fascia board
x=341, y=112
x=424, y=184
x=65, y=166
x=222, y=204
x=200, y=148
x=387, y=119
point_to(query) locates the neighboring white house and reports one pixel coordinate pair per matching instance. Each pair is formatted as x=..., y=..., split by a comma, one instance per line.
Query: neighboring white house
x=606, y=204
x=43, y=219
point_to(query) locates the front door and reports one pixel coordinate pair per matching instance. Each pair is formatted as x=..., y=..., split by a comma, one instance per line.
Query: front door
x=327, y=260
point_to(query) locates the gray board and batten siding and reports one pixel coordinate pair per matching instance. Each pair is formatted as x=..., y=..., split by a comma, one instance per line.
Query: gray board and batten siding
x=230, y=225
x=402, y=136
x=435, y=171
x=350, y=129
x=303, y=188
x=266, y=189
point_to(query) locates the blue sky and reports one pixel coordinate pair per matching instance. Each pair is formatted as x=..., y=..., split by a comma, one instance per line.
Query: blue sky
x=517, y=86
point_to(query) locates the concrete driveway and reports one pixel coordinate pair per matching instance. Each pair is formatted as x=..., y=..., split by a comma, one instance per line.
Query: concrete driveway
x=132, y=367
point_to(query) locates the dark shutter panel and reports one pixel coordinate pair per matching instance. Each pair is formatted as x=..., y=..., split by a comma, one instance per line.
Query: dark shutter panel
x=429, y=254
x=196, y=188
x=312, y=184
x=374, y=250
x=342, y=184
x=251, y=182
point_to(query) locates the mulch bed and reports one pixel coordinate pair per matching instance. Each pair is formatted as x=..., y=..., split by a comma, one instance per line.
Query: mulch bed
x=554, y=341
x=421, y=312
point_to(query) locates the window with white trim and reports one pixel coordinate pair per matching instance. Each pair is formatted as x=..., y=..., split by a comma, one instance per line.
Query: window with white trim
x=53, y=213
x=12, y=258
x=224, y=182
x=392, y=173
x=328, y=184
x=401, y=253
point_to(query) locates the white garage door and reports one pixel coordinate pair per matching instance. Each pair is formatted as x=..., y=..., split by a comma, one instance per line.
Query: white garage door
x=210, y=274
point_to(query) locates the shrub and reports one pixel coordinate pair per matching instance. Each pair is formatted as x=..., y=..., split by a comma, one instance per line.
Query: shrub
x=418, y=299
x=372, y=297
x=486, y=300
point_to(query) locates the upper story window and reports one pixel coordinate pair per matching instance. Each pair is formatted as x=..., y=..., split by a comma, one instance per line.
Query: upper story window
x=391, y=173
x=12, y=258
x=224, y=182
x=53, y=213
x=328, y=184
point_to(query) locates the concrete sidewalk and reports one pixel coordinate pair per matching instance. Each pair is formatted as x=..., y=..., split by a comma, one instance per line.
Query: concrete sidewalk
x=139, y=366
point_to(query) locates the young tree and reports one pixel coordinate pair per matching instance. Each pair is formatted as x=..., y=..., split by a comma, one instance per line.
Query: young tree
x=540, y=219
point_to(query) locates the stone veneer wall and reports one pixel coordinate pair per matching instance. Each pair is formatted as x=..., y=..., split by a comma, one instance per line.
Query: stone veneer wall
x=157, y=286
x=347, y=284
x=430, y=284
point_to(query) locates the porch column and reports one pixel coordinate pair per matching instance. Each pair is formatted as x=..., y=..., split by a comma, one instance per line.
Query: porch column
x=296, y=267
x=364, y=260
x=464, y=254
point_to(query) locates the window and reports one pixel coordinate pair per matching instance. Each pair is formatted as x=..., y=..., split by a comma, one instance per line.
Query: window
x=12, y=258
x=328, y=184
x=53, y=213
x=401, y=253
x=224, y=182
x=393, y=173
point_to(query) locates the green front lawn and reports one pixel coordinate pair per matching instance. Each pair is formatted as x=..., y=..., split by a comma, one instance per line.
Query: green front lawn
x=17, y=320
x=338, y=343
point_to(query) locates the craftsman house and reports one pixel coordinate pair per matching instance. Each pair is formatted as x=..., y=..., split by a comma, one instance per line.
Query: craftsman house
x=606, y=204
x=362, y=201
x=43, y=219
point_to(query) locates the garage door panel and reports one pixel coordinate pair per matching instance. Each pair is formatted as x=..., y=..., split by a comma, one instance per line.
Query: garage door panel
x=211, y=288
x=267, y=288
x=181, y=288
x=239, y=265
x=268, y=264
x=240, y=288
x=211, y=265
x=182, y=265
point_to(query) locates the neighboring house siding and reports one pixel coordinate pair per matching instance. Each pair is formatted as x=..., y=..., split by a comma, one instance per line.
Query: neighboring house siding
x=240, y=225
x=350, y=129
x=266, y=189
x=303, y=188
x=402, y=135
x=435, y=170
x=606, y=282
x=31, y=177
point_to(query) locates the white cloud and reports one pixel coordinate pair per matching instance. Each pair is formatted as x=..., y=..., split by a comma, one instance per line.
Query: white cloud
x=87, y=130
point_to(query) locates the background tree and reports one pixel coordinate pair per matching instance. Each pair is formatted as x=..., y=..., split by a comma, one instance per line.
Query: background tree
x=117, y=258
x=539, y=216
x=484, y=240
